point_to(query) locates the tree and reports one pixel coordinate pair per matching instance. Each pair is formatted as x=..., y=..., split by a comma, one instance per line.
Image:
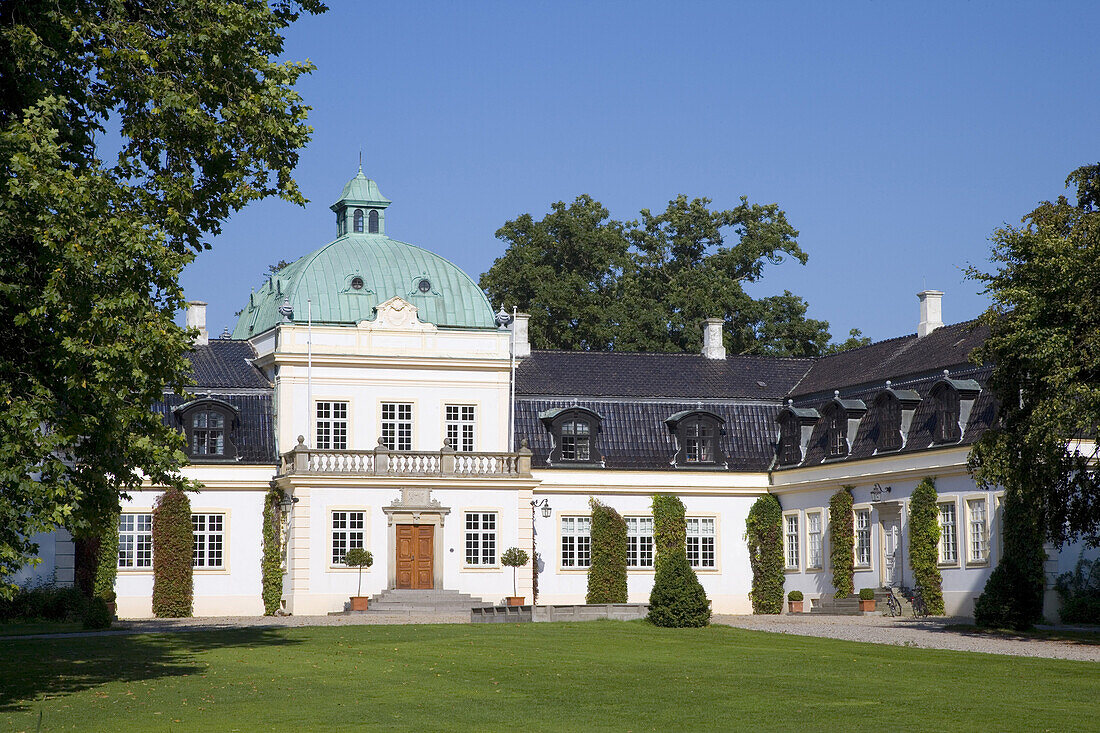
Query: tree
x=1044, y=344
x=592, y=282
x=204, y=121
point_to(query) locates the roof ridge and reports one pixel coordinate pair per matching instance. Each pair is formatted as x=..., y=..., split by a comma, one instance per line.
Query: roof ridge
x=768, y=357
x=899, y=338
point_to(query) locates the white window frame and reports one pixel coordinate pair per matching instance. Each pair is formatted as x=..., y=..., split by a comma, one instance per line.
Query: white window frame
x=209, y=532
x=639, y=542
x=330, y=426
x=820, y=540
x=460, y=427
x=396, y=428
x=701, y=542
x=945, y=557
x=792, y=550
x=347, y=529
x=480, y=539
x=862, y=533
x=575, y=546
x=135, y=541
x=977, y=530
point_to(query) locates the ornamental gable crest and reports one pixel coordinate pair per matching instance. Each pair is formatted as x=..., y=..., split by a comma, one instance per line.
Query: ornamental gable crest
x=396, y=314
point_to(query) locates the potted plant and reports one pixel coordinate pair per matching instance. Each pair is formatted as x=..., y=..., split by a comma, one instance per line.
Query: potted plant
x=794, y=601
x=357, y=557
x=514, y=558
x=867, y=599
x=109, y=597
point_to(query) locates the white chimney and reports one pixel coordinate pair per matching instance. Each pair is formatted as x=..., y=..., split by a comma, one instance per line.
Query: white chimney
x=519, y=335
x=931, y=316
x=713, y=346
x=196, y=318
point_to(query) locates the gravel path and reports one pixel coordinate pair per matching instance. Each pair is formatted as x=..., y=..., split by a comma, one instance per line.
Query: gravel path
x=925, y=633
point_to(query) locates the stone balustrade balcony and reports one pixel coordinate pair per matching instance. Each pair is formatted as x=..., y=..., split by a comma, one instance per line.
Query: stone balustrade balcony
x=383, y=461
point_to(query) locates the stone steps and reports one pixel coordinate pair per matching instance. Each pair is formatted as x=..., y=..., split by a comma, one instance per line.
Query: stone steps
x=848, y=606
x=403, y=602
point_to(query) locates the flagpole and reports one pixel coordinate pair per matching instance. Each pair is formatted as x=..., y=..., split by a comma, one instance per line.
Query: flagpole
x=309, y=368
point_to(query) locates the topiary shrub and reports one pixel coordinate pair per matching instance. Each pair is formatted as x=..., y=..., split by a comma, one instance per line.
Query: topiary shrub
x=173, y=590
x=842, y=542
x=96, y=614
x=924, y=539
x=271, y=561
x=1013, y=595
x=866, y=594
x=1080, y=593
x=607, y=573
x=358, y=557
x=764, y=533
x=678, y=599
x=669, y=527
x=514, y=558
x=795, y=595
x=107, y=565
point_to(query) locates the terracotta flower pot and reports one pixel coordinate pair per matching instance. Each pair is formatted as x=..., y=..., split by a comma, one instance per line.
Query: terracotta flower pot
x=795, y=606
x=866, y=605
x=515, y=600
x=359, y=603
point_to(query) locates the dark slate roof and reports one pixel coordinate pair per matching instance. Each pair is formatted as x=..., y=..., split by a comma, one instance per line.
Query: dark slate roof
x=226, y=363
x=894, y=359
x=921, y=429
x=255, y=436
x=634, y=435
x=684, y=376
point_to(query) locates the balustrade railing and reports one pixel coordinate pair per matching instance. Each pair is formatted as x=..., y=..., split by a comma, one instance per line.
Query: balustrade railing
x=385, y=462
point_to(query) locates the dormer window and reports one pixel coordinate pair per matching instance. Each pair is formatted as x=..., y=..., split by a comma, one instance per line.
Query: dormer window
x=838, y=433
x=373, y=221
x=946, y=429
x=888, y=423
x=790, y=450
x=358, y=220
x=842, y=419
x=574, y=431
x=696, y=433
x=209, y=426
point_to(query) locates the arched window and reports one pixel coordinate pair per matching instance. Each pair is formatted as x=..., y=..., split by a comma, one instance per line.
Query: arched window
x=358, y=220
x=790, y=449
x=208, y=426
x=574, y=431
x=947, y=414
x=696, y=433
x=838, y=433
x=888, y=422
x=373, y=221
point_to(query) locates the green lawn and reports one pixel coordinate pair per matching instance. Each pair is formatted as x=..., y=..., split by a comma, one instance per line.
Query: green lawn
x=602, y=675
x=23, y=628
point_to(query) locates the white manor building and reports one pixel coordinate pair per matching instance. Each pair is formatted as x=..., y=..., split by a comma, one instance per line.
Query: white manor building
x=370, y=382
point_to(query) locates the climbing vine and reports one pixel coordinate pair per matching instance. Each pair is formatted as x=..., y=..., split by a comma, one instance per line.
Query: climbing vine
x=173, y=589
x=107, y=563
x=764, y=533
x=271, y=563
x=607, y=573
x=924, y=539
x=842, y=541
x=669, y=527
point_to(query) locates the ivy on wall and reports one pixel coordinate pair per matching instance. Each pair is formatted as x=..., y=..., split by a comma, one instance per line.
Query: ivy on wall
x=271, y=564
x=669, y=528
x=607, y=573
x=764, y=533
x=924, y=539
x=173, y=589
x=842, y=541
x=677, y=599
x=107, y=562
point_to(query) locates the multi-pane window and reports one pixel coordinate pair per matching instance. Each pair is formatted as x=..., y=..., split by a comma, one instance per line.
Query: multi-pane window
x=135, y=540
x=576, y=542
x=889, y=424
x=207, y=433
x=639, y=542
x=700, y=542
x=372, y=221
x=348, y=530
x=332, y=425
x=790, y=540
x=358, y=220
x=863, y=537
x=576, y=440
x=481, y=538
x=460, y=427
x=813, y=539
x=838, y=434
x=208, y=540
x=949, y=549
x=979, y=536
x=790, y=450
x=947, y=415
x=699, y=442
x=397, y=425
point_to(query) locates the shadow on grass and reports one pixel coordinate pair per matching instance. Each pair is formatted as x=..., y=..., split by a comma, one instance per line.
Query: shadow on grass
x=1067, y=636
x=35, y=669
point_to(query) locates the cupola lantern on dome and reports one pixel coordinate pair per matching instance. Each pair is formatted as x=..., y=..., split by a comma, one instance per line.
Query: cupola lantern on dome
x=361, y=208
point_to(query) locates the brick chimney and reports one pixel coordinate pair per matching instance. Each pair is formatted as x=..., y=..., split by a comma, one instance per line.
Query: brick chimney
x=713, y=346
x=931, y=316
x=196, y=318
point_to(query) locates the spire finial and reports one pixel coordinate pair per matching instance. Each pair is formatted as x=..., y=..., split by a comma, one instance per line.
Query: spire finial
x=360, y=158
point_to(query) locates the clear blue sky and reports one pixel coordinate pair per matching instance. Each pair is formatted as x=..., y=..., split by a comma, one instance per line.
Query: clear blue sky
x=896, y=136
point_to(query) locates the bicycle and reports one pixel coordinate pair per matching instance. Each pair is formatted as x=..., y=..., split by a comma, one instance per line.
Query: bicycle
x=893, y=608
x=920, y=610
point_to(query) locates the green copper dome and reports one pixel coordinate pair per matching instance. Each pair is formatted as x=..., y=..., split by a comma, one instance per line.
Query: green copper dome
x=351, y=275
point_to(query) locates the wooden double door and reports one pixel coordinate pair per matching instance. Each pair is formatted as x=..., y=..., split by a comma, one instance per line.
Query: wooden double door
x=416, y=556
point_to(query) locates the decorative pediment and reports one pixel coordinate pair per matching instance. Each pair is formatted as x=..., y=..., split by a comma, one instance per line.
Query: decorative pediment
x=396, y=314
